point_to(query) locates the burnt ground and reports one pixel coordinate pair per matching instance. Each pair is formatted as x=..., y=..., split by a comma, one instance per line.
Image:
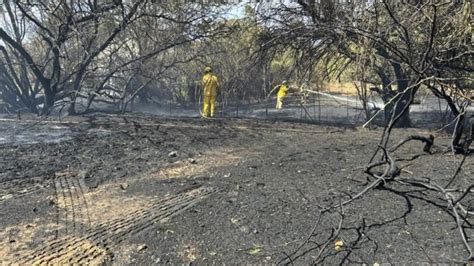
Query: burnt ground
x=141, y=189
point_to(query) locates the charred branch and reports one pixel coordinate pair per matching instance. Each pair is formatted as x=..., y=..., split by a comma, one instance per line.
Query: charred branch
x=429, y=141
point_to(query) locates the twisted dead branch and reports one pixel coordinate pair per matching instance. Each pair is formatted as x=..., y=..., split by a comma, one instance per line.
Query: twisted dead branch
x=429, y=141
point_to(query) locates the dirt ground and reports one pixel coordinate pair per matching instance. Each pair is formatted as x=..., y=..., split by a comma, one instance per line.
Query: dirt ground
x=133, y=189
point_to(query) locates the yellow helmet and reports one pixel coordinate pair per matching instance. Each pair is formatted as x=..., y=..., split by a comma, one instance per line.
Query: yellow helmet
x=207, y=69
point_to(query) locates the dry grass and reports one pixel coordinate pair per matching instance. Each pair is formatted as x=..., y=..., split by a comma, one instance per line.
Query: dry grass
x=346, y=88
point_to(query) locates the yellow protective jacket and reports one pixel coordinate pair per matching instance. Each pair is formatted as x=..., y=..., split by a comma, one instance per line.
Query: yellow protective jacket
x=209, y=84
x=282, y=91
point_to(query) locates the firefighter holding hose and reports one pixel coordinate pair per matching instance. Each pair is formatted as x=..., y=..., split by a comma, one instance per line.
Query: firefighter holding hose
x=282, y=90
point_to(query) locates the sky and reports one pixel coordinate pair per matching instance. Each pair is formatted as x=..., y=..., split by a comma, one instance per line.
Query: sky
x=237, y=11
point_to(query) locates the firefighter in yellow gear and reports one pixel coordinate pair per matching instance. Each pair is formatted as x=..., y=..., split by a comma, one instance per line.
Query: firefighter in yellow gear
x=210, y=85
x=283, y=89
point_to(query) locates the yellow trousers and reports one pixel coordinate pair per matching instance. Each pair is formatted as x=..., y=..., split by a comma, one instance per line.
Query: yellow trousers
x=279, y=104
x=208, y=101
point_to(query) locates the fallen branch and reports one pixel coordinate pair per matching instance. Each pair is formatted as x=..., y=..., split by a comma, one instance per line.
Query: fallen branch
x=458, y=169
x=453, y=205
x=429, y=141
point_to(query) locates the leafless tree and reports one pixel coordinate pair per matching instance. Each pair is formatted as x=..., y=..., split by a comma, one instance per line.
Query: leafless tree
x=61, y=51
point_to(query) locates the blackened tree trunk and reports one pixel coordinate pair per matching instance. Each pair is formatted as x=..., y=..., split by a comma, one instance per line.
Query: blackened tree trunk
x=386, y=94
x=403, y=97
x=49, y=99
x=395, y=100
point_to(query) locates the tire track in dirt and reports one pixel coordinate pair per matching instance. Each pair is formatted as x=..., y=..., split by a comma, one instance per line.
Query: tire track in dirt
x=17, y=188
x=72, y=212
x=94, y=245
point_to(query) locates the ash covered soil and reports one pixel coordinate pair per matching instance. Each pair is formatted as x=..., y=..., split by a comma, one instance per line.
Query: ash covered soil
x=129, y=189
